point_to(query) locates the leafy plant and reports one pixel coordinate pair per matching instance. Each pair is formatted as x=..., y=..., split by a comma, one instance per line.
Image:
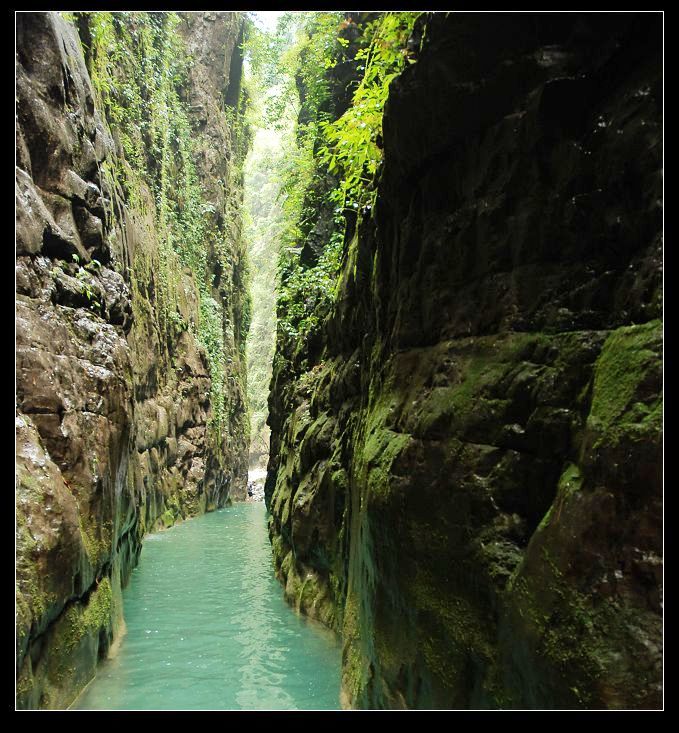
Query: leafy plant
x=351, y=147
x=86, y=286
x=326, y=158
x=139, y=66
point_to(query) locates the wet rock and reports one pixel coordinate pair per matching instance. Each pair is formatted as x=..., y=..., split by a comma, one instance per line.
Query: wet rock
x=114, y=420
x=472, y=501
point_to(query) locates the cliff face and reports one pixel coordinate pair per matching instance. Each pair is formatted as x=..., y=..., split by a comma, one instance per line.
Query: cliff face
x=465, y=476
x=130, y=410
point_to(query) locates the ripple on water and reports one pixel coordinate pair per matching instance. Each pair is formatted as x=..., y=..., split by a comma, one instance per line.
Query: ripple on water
x=208, y=629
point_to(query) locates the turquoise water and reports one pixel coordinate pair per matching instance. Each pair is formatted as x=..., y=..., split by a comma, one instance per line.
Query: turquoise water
x=208, y=629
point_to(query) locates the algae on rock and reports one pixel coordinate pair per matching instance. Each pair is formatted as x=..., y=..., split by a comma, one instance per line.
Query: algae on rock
x=466, y=458
x=131, y=313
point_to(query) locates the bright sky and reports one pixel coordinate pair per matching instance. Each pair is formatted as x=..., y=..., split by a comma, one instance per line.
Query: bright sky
x=267, y=19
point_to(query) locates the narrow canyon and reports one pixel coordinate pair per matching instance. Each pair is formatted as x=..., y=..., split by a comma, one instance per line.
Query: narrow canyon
x=357, y=311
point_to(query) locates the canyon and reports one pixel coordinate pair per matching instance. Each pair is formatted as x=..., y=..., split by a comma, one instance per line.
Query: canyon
x=465, y=469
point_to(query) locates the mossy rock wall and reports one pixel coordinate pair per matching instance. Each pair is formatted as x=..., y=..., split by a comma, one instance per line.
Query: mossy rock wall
x=130, y=363
x=465, y=476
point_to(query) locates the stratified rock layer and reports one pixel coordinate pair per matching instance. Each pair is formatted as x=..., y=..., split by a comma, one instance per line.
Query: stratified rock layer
x=113, y=429
x=466, y=477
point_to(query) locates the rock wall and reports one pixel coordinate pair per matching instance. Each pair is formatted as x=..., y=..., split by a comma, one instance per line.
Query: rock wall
x=115, y=431
x=465, y=477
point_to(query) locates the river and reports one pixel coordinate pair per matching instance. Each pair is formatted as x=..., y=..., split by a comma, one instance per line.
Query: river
x=208, y=628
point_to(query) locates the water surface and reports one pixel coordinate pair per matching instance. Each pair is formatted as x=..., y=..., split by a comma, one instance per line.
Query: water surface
x=208, y=629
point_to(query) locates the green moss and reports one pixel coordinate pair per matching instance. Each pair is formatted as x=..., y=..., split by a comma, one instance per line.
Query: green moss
x=287, y=564
x=629, y=358
x=354, y=662
x=569, y=483
x=381, y=450
x=277, y=548
x=67, y=667
x=96, y=548
x=25, y=683
x=563, y=630
x=139, y=67
x=97, y=613
x=80, y=621
x=452, y=629
x=480, y=363
x=33, y=600
x=578, y=647
x=167, y=519
x=313, y=599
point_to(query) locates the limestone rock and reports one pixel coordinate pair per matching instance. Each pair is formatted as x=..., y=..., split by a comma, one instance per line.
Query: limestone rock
x=465, y=470
x=113, y=403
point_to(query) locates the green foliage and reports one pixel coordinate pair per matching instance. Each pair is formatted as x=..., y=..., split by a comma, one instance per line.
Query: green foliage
x=318, y=51
x=93, y=266
x=270, y=70
x=139, y=67
x=623, y=400
x=212, y=338
x=300, y=88
x=296, y=56
x=306, y=294
x=293, y=65
x=263, y=224
x=351, y=141
x=321, y=165
x=329, y=164
x=85, y=285
x=287, y=78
